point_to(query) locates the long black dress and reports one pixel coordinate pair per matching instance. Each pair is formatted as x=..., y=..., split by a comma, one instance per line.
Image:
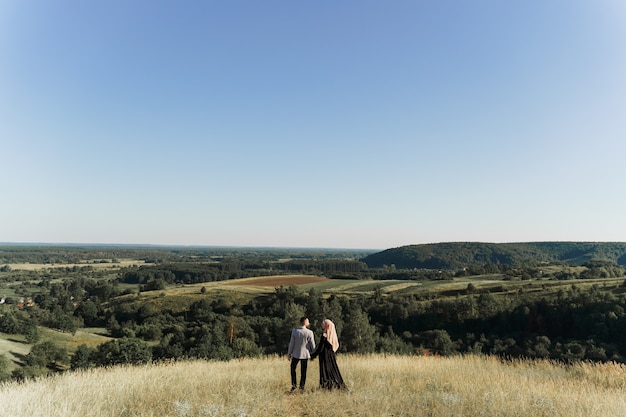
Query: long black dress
x=330, y=377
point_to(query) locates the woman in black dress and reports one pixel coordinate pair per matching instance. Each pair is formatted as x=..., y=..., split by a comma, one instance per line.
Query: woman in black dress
x=330, y=377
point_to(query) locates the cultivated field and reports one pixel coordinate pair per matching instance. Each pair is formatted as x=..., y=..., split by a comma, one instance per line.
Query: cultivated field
x=278, y=280
x=261, y=285
x=377, y=386
x=96, y=264
x=179, y=298
x=306, y=282
x=264, y=285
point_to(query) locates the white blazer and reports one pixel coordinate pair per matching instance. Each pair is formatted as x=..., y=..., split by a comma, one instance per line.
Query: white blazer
x=302, y=343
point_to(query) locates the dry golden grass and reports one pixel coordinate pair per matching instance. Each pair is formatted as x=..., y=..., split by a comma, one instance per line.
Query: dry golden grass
x=378, y=386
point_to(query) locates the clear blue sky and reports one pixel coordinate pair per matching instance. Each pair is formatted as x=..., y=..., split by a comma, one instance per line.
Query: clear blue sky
x=336, y=124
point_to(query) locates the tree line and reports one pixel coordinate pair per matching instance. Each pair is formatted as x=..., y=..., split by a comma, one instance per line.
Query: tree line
x=573, y=323
x=154, y=277
x=457, y=255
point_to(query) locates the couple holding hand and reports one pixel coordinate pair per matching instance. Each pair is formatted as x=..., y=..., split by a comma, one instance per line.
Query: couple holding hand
x=302, y=348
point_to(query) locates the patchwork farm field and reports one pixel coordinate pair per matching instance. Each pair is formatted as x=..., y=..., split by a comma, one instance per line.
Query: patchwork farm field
x=178, y=298
x=264, y=285
x=278, y=280
x=96, y=264
x=306, y=282
x=245, y=288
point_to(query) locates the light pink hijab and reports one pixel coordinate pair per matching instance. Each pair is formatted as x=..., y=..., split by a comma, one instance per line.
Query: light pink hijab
x=331, y=334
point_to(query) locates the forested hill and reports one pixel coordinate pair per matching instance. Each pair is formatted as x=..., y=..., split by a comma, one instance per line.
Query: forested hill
x=456, y=255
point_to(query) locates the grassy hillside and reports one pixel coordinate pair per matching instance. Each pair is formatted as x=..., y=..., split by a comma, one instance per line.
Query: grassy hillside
x=15, y=348
x=377, y=386
x=457, y=255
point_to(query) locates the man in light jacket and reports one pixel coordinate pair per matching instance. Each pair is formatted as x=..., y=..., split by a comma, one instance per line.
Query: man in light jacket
x=301, y=344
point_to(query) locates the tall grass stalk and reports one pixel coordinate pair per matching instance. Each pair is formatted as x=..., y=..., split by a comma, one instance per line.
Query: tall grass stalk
x=377, y=386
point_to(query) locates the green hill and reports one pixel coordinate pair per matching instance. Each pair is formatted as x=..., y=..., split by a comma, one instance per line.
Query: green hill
x=457, y=255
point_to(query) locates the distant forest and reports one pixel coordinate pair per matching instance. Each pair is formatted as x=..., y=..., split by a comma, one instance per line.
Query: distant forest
x=447, y=256
x=458, y=255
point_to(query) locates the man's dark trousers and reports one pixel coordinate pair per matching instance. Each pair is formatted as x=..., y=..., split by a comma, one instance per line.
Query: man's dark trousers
x=303, y=366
